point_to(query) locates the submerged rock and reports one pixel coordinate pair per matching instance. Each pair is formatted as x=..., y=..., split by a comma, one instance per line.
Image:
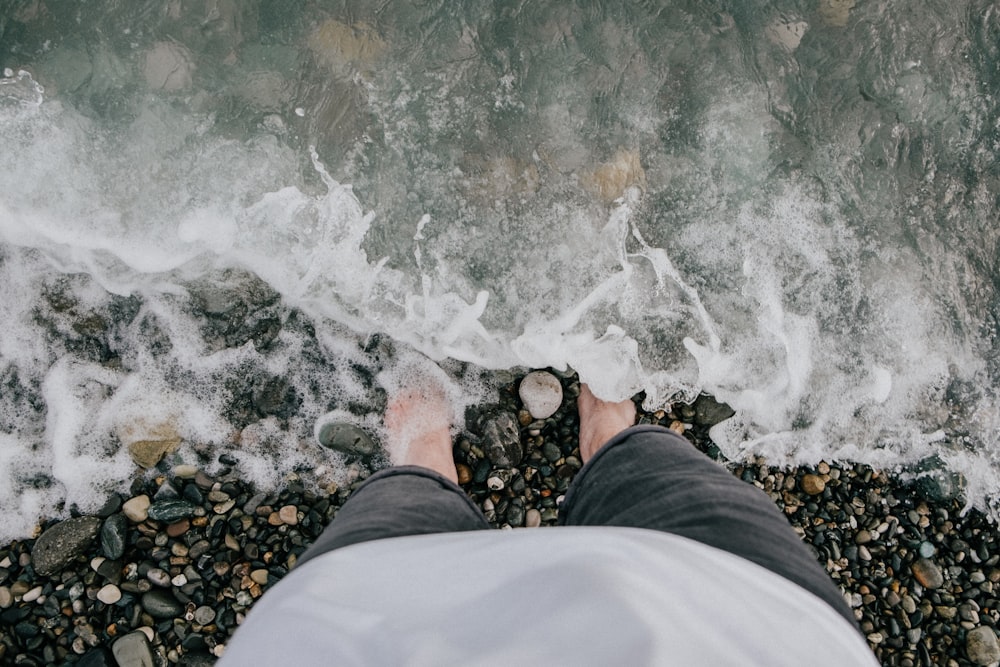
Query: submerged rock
x=709, y=412
x=63, y=542
x=346, y=438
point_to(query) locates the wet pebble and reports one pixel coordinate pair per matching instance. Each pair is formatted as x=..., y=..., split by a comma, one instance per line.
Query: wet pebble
x=981, y=646
x=109, y=594
x=161, y=604
x=927, y=573
x=541, y=393
x=62, y=543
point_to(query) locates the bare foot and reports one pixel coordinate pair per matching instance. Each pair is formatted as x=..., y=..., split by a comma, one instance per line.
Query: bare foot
x=601, y=420
x=418, y=422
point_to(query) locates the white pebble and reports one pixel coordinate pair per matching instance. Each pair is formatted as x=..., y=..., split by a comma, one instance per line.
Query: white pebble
x=179, y=580
x=541, y=394
x=300, y=112
x=494, y=483
x=32, y=595
x=110, y=594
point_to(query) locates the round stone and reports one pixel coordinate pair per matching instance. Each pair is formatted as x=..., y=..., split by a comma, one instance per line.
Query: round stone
x=204, y=615
x=259, y=576
x=136, y=509
x=981, y=645
x=813, y=484
x=541, y=394
x=289, y=514
x=494, y=484
x=110, y=594
x=6, y=597
x=532, y=518
x=464, y=473
x=927, y=573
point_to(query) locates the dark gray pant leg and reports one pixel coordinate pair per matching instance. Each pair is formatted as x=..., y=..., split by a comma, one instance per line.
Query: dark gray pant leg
x=650, y=477
x=398, y=501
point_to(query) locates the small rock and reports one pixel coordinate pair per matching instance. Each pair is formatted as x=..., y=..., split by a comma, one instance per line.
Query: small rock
x=161, y=604
x=981, y=646
x=136, y=509
x=532, y=518
x=347, y=438
x=167, y=491
x=928, y=573
x=501, y=439
x=551, y=452
x=204, y=615
x=464, y=473
x=863, y=537
x=185, y=471
x=541, y=394
x=158, y=577
x=178, y=528
x=63, y=542
x=98, y=657
x=494, y=484
x=709, y=412
x=813, y=484
x=148, y=444
x=6, y=597
x=168, y=66
x=109, y=594
x=113, y=536
x=515, y=516
x=926, y=549
x=133, y=650
x=170, y=511
x=32, y=595
x=289, y=514
x=259, y=576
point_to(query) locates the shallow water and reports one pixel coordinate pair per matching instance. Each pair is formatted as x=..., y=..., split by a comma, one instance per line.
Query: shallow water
x=791, y=207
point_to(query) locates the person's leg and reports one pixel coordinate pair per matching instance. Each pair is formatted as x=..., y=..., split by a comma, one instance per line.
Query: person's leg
x=419, y=496
x=650, y=477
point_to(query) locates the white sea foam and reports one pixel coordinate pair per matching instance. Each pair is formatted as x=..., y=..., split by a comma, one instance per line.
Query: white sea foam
x=136, y=234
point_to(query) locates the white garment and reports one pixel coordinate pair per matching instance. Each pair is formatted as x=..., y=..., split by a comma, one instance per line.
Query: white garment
x=549, y=596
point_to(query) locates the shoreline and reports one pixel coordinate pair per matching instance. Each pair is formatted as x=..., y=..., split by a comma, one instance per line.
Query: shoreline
x=173, y=577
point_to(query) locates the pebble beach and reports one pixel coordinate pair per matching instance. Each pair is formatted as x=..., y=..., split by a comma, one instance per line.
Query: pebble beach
x=165, y=573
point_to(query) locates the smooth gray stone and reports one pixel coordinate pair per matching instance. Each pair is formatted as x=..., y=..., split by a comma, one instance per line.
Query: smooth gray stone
x=346, y=438
x=982, y=646
x=161, y=604
x=113, y=536
x=63, y=542
x=133, y=650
